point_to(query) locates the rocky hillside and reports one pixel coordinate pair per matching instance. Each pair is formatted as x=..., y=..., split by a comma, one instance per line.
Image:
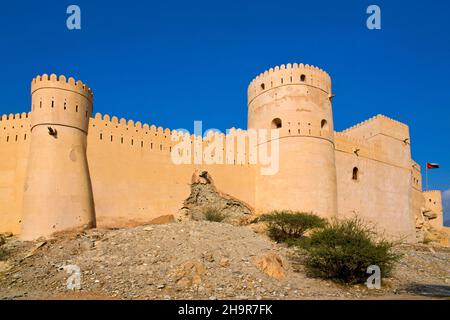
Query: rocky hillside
x=196, y=260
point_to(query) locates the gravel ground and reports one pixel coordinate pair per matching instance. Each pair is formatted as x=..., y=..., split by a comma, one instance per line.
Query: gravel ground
x=195, y=260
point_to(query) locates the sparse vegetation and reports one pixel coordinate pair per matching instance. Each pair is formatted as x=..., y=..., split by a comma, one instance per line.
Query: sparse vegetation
x=213, y=214
x=289, y=226
x=343, y=250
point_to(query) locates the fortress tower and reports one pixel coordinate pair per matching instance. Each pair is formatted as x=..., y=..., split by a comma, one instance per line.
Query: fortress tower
x=57, y=192
x=296, y=99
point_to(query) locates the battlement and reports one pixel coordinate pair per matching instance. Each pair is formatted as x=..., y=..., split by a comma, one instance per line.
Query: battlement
x=355, y=146
x=106, y=121
x=379, y=124
x=378, y=117
x=290, y=74
x=61, y=82
x=17, y=116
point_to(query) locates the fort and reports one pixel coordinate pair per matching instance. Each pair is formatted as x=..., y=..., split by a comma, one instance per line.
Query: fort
x=62, y=168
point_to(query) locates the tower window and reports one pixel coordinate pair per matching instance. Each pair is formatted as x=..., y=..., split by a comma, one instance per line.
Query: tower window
x=355, y=174
x=302, y=78
x=276, y=123
x=263, y=86
x=324, y=124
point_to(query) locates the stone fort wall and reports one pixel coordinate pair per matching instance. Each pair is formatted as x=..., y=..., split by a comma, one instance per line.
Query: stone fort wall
x=365, y=170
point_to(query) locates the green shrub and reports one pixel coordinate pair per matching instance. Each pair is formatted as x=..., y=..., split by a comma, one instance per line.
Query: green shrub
x=287, y=226
x=343, y=250
x=213, y=214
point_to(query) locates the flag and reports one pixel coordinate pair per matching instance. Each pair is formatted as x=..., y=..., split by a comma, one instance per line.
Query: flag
x=432, y=165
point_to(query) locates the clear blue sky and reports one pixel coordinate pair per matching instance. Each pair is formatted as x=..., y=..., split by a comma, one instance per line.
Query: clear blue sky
x=171, y=62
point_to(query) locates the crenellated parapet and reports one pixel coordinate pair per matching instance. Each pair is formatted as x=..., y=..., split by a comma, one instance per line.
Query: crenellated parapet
x=53, y=81
x=138, y=138
x=289, y=74
x=355, y=146
x=379, y=124
x=60, y=102
x=129, y=133
x=14, y=127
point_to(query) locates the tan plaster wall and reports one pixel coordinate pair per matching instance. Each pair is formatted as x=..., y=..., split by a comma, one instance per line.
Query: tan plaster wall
x=298, y=95
x=134, y=180
x=381, y=194
x=14, y=146
x=57, y=190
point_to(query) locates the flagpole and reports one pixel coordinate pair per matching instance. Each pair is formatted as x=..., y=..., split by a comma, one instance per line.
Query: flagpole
x=426, y=175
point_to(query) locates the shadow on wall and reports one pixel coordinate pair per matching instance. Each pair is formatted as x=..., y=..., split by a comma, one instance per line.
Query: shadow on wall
x=446, y=206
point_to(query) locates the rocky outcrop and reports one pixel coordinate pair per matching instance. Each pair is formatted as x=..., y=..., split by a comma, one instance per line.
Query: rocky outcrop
x=428, y=233
x=204, y=196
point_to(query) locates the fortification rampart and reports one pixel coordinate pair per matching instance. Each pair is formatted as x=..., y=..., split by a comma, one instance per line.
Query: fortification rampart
x=134, y=160
x=14, y=148
x=126, y=169
x=289, y=74
x=379, y=124
x=54, y=82
x=14, y=127
x=137, y=137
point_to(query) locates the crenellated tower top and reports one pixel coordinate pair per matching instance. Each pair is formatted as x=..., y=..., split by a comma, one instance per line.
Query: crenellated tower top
x=289, y=74
x=61, y=82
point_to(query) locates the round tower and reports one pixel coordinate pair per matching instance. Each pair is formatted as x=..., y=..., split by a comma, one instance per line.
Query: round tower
x=57, y=191
x=296, y=100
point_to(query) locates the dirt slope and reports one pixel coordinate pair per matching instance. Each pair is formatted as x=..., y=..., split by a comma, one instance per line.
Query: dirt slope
x=195, y=260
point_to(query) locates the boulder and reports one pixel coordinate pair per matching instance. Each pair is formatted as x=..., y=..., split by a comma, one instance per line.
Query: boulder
x=271, y=264
x=188, y=274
